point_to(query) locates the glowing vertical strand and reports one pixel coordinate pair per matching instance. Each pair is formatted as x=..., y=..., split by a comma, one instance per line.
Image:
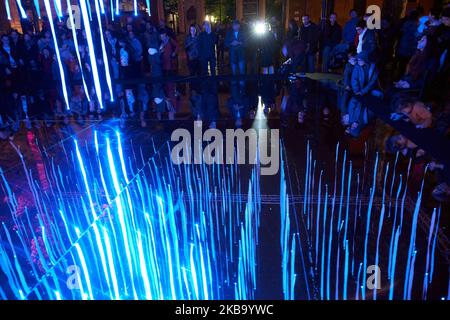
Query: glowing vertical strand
x=93, y=59
x=436, y=235
x=58, y=9
x=38, y=8
x=104, y=55
x=84, y=269
x=102, y=6
x=135, y=8
x=75, y=42
x=99, y=242
x=394, y=262
x=121, y=214
x=427, y=265
x=380, y=228
x=369, y=215
x=148, y=7
x=8, y=10
x=58, y=56
x=21, y=10
x=323, y=248
x=111, y=7
x=412, y=251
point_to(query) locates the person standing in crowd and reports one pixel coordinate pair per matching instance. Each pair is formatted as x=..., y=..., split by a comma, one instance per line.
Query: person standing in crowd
x=191, y=44
x=407, y=43
x=331, y=37
x=112, y=52
x=207, y=42
x=126, y=72
x=136, y=54
x=169, y=31
x=150, y=36
x=292, y=32
x=235, y=42
x=442, y=36
x=366, y=41
x=221, y=32
x=158, y=95
x=169, y=60
x=433, y=22
x=11, y=50
x=310, y=35
x=294, y=99
x=267, y=52
x=137, y=57
x=349, y=32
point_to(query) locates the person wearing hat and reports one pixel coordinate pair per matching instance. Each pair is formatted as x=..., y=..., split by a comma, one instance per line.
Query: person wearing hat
x=364, y=82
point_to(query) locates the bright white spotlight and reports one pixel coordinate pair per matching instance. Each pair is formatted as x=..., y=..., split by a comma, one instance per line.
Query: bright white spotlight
x=260, y=28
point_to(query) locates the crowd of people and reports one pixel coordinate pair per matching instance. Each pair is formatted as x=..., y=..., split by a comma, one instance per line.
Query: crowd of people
x=402, y=60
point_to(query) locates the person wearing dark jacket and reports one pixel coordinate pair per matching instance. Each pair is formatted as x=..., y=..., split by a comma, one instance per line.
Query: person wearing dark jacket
x=349, y=32
x=207, y=41
x=192, y=50
x=292, y=32
x=407, y=44
x=294, y=99
x=366, y=41
x=310, y=35
x=421, y=67
x=345, y=91
x=331, y=37
x=364, y=82
x=235, y=42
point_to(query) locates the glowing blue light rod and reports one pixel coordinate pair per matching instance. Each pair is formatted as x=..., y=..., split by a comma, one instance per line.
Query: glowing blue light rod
x=102, y=7
x=148, y=7
x=105, y=57
x=38, y=8
x=75, y=40
x=8, y=10
x=23, y=14
x=58, y=9
x=111, y=3
x=92, y=57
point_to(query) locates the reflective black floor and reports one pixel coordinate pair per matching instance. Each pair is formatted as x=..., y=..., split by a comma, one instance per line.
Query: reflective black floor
x=107, y=205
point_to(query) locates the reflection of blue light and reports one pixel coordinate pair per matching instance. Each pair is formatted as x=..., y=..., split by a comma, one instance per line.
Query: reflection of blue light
x=23, y=14
x=105, y=57
x=92, y=57
x=61, y=69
